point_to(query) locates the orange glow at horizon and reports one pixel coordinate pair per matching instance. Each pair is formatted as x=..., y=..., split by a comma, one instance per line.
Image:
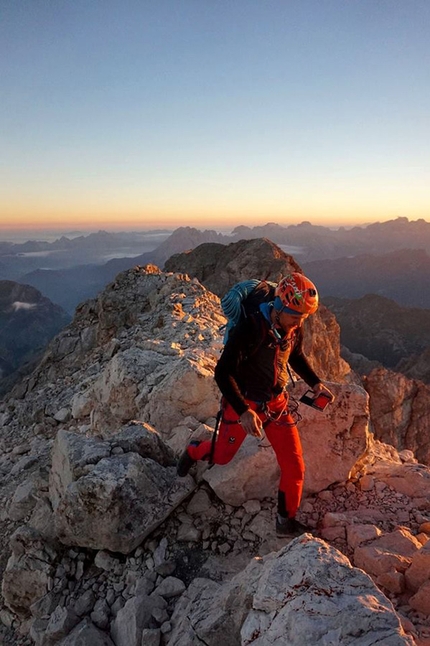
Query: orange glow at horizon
x=201, y=217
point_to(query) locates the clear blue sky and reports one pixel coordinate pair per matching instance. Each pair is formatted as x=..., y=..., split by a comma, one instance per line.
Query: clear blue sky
x=213, y=111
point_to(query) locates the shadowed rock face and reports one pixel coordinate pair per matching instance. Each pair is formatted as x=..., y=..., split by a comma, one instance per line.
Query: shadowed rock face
x=384, y=331
x=219, y=267
x=400, y=411
x=28, y=321
x=402, y=275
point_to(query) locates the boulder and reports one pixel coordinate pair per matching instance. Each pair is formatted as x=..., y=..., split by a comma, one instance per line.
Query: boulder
x=112, y=502
x=24, y=500
x=86, y=633
x=421, y=599
x=410, y=479
x=335, y=439
x=143, y=439
x=133, y=618
x=419, y=571
x=71, y=457
x=307, y=593
x=29, y=572
x=60, y=623
x=252, y=474
x=391, y=551
x=160, y=389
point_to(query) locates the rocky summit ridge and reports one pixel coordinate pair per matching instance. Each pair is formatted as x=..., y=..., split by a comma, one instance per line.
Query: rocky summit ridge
x=101, y=543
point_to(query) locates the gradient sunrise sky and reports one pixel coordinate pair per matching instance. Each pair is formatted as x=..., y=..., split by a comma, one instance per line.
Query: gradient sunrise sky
x=213, y=112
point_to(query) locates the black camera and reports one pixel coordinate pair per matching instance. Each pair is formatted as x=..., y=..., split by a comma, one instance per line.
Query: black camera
x=320, y=402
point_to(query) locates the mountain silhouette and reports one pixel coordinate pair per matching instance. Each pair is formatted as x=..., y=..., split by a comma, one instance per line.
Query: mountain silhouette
x=401, y=275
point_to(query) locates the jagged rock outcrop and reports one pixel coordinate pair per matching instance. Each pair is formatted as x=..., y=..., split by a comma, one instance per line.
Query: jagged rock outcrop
x=219, y=267
x=400, y=411
x=307, y=593
x=145, y=348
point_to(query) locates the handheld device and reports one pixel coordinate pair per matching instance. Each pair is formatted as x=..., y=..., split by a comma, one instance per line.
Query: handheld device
x=319, y=401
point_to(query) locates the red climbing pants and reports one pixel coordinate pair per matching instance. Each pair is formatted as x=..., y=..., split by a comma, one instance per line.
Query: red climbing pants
x=282, y=434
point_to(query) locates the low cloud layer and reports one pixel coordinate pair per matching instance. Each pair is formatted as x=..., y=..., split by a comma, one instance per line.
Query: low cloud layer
x=19, y=305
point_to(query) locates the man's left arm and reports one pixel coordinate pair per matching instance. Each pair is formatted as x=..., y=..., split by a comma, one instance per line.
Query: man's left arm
x=302, y=367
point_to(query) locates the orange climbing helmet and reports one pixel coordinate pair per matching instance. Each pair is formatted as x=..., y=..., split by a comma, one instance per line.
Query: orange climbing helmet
x=296, y=294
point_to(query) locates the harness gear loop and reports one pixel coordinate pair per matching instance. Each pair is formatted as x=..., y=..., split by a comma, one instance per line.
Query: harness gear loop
x=274, y=416
x=214, y=436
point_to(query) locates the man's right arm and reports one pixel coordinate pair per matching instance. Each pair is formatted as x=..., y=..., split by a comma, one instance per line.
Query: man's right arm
x=225, y=376
x=226, y=371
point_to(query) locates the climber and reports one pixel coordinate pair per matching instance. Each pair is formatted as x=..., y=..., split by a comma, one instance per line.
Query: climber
x=252, y=375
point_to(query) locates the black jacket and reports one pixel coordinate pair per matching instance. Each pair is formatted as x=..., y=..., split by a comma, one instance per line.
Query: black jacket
x=253, y=364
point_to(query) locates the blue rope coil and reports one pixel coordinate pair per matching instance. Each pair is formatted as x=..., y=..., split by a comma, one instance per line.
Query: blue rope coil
x=231, y=303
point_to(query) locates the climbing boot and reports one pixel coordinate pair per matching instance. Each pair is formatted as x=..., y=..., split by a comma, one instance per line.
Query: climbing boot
x=289, y=527
x=185, y=462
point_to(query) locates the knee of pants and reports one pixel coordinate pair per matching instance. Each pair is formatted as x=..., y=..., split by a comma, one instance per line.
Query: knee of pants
x=293, y=467
x=223, y=455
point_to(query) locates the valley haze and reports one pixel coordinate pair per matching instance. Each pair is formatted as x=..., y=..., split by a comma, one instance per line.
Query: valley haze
x=345, y=262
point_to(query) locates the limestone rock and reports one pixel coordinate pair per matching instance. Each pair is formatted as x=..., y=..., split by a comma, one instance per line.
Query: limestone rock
x=159, y=373
x=253, y=473
x=307, y=593
x=357, y=534
x=170, y=587
x=29, y=571
x=391, y=551
x=116, y=502
x=151, y=637
x=144, y=384
x=121, y=352
x=71, y=456
x=143, y=439
x=23, y=501
x=421, y=599
x=188, y=388
x=60, y=623
x=199, y=503
x=413, y=480
x=132, y=619
x=419, y=571
x=335, y=439
x=86, y=633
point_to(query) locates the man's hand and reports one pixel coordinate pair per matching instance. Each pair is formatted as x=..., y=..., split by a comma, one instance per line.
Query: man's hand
x=320, y=388
x=251, y=423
